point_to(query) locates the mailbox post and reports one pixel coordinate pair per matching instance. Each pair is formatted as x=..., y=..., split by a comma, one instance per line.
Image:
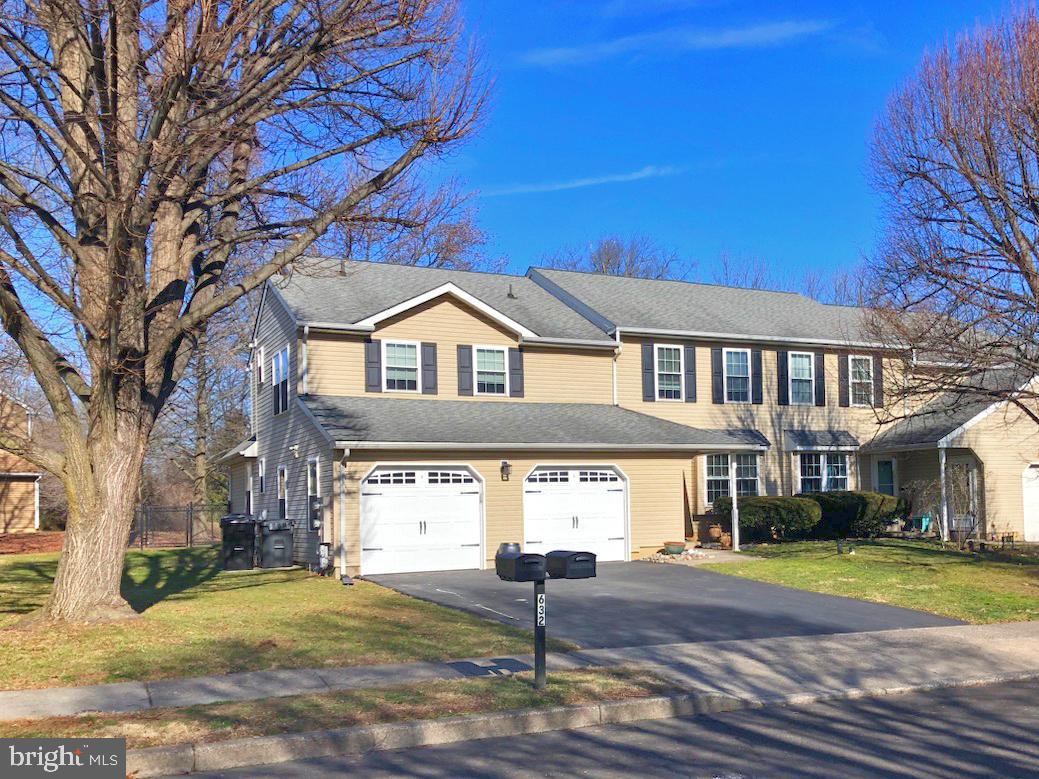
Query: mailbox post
x=515, y=566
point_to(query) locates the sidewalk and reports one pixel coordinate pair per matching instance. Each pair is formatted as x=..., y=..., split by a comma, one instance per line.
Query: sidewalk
x=762, y=669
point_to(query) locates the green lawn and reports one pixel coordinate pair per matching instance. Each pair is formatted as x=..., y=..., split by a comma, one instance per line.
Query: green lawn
x=197, y=620
x=918, y=575
x=429, y=700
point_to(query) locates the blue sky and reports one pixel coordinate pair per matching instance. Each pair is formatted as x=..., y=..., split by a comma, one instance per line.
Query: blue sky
x=713, y=127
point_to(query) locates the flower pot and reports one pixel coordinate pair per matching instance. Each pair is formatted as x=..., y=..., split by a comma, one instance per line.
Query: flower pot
x=726, y=540
x=674, y=547
x=714, y=532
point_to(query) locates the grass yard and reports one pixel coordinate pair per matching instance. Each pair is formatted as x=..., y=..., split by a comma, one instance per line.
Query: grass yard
x=197, y=620
x=430, y=700
x=988, y=587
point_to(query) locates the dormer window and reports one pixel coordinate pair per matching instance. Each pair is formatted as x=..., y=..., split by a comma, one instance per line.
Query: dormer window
x=400, y=366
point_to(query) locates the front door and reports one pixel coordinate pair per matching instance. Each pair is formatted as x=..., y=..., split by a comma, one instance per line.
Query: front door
x=886, y=477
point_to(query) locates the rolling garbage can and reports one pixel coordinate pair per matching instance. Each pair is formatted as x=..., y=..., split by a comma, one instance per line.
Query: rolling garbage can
x=275, y=543
x=238, y=542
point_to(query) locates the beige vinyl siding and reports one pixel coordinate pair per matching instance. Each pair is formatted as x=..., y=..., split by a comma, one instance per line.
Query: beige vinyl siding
x=1005, y=443
x=335, y=362
x=17, y=504
x=659, y=489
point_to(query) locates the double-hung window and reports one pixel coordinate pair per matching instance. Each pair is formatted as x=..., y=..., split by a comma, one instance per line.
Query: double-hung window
x=280, y=374
x=824, y=472
x=669, y=372
x=262, y=468
x=860, y=373
x=491, y=373
x=283, y=493
x=249, y=490
x=737, y=375
x=718, y=476
x=802, y=378
x=401, y=366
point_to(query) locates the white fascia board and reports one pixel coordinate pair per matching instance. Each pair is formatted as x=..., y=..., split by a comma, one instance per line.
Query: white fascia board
x=564, y=343
x=334, y=327
x=20, y=474
x=895, y=448
x=841, y=448
x=768, y=339
x=450, y=289
x=946, y=441
x=434, y=445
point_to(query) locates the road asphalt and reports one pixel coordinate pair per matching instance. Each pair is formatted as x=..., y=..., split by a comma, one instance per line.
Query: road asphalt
x=960, y=732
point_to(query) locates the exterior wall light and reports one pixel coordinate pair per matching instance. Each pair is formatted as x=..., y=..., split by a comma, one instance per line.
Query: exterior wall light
x=506, y=470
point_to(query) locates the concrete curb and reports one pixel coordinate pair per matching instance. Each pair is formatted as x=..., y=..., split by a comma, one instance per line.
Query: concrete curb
x=261, y=750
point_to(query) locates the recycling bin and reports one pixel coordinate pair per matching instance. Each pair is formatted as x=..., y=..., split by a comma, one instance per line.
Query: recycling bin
x=276, y=543
x=237, y=542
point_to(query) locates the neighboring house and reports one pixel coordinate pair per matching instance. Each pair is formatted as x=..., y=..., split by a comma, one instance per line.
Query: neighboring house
x=19, y=479
x=432, y=414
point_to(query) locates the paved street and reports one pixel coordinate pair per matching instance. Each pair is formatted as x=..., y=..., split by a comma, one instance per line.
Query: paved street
x=641, y=604
x=967, y=732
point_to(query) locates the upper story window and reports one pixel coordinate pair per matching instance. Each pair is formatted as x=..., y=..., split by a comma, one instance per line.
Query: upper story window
x=491, y=375
x=400, y=366
x=260, y=367
x=823, y=472
x=262, y=468
x=737, y=375
x=718, y=475
x=802, y=378
x=280, y=377
x=860, y=373
x=669, y=371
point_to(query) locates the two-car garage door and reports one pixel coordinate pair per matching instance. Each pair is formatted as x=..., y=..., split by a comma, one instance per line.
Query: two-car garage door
x=429, y=518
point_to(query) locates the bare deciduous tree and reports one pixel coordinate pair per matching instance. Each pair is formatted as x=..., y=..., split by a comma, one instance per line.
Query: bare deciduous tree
x=160, y=161
x=638, y=256
x=956, y=283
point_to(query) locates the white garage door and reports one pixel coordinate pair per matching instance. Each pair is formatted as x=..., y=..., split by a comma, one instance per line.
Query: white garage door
x=420, y=519
x=580, y=509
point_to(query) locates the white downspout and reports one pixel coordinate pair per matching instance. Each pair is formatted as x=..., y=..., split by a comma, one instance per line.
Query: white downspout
x=735, y=506
x=944, y=493
x=36, y=498
x=342, y=512
x=306, y=358
x=616, y=356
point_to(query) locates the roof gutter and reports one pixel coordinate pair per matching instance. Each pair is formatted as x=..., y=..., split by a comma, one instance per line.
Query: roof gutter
x=455, y=445
x=335, y=327
x=564, y=343
x=701, y=334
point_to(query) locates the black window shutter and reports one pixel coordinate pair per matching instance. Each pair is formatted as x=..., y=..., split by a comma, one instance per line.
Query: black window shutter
x=843, y=391
x=717, y=377
x=690, y=373
x=783, y=378
x=820, y=379
x=465, y=370
x=373, y=366
x=515, y=373
x=757, y=396
x=878, y=381
x=429, y=369
x=649, y=391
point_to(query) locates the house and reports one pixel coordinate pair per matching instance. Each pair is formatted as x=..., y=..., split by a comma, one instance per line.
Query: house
x=413, y=418
x=19, y=479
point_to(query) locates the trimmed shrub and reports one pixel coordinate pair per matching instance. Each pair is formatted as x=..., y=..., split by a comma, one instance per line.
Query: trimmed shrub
x=853, y=514
x=772, y=518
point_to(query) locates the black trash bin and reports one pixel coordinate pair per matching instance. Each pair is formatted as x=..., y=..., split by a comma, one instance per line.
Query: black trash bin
x=238, y=542
x=275, y=543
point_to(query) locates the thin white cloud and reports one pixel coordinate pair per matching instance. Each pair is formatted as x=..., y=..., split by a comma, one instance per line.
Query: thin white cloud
x=680, y=39
x=648, y=172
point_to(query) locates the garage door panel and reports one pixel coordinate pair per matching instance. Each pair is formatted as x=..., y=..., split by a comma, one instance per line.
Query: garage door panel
x=420, y=519
x=576, y=508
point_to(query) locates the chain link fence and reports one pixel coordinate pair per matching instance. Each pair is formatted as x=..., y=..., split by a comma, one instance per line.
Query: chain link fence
x=167, y=526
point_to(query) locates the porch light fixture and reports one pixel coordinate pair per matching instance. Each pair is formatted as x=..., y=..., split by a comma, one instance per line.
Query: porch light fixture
x=506, y=470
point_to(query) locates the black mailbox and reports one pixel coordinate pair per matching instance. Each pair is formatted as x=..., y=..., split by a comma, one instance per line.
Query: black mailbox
x=520, y=566
x=570, y=565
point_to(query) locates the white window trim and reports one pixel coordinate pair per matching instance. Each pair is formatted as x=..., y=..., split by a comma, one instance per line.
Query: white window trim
x=316, y=462
x=681, y=373
x=851, y=381
x=790, y=377
x=263, y=474
x=277, y=487
x=261, y=361
x=725, y=377
x=274, y=376
x=418, y=366
x=757, y=457
x=824, y=473
x=249, y=487
x=476, y=370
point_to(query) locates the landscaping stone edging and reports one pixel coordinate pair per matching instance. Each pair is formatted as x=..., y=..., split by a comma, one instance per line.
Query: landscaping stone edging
x=261, y=750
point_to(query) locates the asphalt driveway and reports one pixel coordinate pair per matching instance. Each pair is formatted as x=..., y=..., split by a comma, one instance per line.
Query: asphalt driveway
x=641, y=604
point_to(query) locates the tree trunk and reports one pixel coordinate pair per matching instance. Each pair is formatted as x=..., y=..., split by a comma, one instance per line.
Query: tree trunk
x=102, y=484
x=202, y=422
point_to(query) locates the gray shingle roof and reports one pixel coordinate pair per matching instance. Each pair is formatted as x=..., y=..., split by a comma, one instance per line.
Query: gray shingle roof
x=818, y=439
x=944, y=413
x=319, y=292
x=655, y=304
x=583, y=425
